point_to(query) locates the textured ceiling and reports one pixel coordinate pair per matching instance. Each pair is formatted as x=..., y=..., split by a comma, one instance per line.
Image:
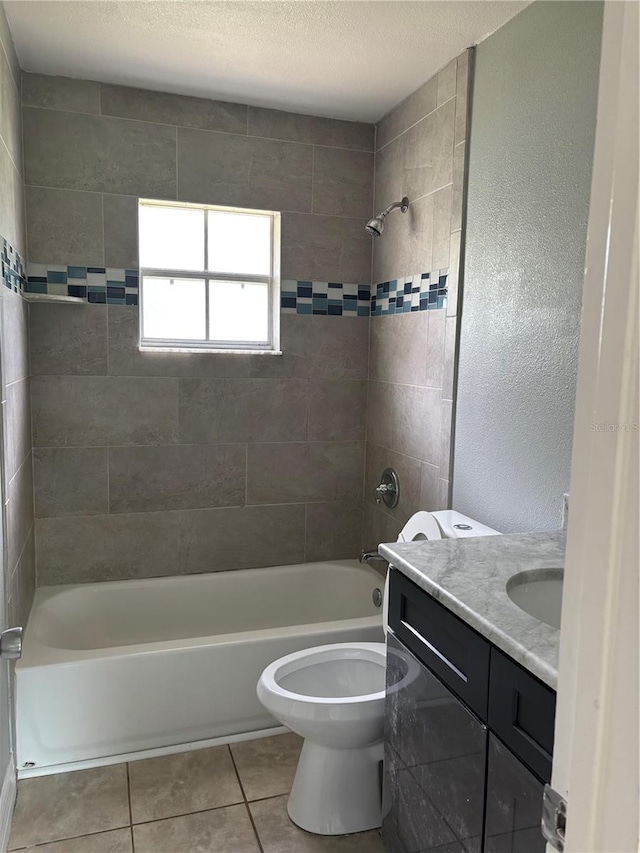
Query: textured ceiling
x=351, y=59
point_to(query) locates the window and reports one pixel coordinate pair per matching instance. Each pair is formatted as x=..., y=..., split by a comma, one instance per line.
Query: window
x=209, y=278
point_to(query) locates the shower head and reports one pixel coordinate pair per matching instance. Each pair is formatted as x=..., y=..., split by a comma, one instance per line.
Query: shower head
x=375, y=227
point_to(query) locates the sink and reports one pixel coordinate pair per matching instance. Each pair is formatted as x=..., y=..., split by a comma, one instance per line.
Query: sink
x=539, y=593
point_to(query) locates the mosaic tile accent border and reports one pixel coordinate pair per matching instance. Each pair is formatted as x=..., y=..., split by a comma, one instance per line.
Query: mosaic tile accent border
x=95, y=284
x=421, y=292
x=13, y=275
x=325, y=297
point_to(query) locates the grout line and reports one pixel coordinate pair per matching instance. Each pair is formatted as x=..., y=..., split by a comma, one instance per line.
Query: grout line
x=204, y=129
x=435, y=109
x=246, y=801
x=129, y=798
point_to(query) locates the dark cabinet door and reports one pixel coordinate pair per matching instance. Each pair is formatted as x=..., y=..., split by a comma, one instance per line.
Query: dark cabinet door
x=514, y=804
x=435, y=757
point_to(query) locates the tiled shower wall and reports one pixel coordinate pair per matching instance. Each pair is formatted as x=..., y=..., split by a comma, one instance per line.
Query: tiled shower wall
x=421, y=154
x=156, y=464
x=19, y=559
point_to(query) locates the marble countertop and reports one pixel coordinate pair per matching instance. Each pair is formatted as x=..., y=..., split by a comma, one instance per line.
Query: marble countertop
x=469, y=577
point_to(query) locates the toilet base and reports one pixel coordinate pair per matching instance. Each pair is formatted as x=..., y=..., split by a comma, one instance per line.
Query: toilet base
x=337, y=791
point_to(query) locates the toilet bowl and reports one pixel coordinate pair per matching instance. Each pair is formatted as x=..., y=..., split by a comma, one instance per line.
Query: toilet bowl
x=333, y=696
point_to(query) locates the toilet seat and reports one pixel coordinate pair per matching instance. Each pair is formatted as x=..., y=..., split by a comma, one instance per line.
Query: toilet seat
x=280, y=676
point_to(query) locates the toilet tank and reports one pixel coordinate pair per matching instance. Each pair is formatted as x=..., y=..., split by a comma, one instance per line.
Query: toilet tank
x=455, y=525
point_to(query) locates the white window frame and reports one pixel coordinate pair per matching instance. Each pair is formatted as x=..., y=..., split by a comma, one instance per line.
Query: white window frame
x=272, y=345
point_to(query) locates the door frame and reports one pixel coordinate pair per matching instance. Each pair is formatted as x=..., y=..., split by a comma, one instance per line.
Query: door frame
x=596, y=753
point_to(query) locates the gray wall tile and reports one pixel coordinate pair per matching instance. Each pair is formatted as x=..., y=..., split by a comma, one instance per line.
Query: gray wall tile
x=458, y=186
x=82, y=411
x=316, y=471
x=429, y=488
x=15, y=337
x=447, y=82
x=462, y=94
x=147, y=479
x=64, y=227
x=441, y=228
x=120, y=215
x=217, y=168
x=334, y=530
x=342, y=182
x=60, y=93
x=398, y=348
x=213, y=540
x=125, y=358
x=25, y=574
x=10, y=114
x=407, y=245
x=325, y=248
x=167, y=108
x=11, y=202
x=83, y=152
x=17, y=426
x=435, y=349
x=448, y=371
x=427, y=152
x=68, y=339
x=337, y=410
x=321, y=347
x=380, y=412
x=378, y=526
x=106, y=547
x=230, y=410
x=407, y=113
x=7, y=43
x=70, y=481
x=19, y=512
x=276, y=124
x=417, y=424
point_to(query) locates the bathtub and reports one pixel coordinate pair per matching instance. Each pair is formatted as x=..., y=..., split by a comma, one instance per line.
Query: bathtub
x=132, y=668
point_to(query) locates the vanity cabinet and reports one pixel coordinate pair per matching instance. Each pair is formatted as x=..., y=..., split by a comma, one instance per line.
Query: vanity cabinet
x=468, y=736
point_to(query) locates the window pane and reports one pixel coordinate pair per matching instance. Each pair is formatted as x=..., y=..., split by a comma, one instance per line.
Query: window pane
x=239, y=311
x=239, y=243
x=174, y=308
x=171, y=238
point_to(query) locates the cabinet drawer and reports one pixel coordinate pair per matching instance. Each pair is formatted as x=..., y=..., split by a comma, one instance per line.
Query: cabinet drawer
x=522, y=712
x=457, y=655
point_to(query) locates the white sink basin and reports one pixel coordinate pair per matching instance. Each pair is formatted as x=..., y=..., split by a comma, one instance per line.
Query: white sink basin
x=538, y=593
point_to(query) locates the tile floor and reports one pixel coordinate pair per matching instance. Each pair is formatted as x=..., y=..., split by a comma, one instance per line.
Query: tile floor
x=220, y=800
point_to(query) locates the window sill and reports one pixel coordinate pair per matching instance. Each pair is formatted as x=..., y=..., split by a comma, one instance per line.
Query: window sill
x=193, y=350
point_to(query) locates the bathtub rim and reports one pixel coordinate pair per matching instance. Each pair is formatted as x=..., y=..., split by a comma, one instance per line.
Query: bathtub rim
x=37, y=653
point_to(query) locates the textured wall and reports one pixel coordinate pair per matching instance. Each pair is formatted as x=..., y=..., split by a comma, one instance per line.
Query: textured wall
x=17, y=485
x=154, y=464
x=421, y=153
x=528, y=198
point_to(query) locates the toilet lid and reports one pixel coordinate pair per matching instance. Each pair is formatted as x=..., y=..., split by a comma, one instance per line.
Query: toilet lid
x=421, y=525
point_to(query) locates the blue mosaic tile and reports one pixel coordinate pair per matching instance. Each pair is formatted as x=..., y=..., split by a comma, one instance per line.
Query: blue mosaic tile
x=421, y=292
x=325, y=298
x=12, y=267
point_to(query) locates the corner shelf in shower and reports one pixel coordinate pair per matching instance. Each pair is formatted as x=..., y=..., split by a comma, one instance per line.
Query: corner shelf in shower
x=52, y=297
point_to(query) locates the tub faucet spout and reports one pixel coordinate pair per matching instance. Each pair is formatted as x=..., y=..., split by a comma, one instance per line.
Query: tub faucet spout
x=365, y=556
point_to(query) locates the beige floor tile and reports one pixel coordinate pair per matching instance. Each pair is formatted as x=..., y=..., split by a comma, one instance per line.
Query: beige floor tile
x=267, y=766
x=68, y=804
x=179, y=784
x=226, y=830
x=279, y=835
x=114, y=841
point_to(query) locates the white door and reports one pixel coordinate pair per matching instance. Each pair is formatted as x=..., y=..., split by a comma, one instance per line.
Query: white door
x=596, y=752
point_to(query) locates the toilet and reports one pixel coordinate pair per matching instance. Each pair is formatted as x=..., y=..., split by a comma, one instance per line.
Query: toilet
x=333, y=696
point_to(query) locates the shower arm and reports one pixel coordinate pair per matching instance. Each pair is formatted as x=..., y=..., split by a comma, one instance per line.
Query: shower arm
x=403, y=205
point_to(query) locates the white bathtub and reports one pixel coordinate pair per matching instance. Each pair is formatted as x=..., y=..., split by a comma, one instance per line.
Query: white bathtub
x=121, y=668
